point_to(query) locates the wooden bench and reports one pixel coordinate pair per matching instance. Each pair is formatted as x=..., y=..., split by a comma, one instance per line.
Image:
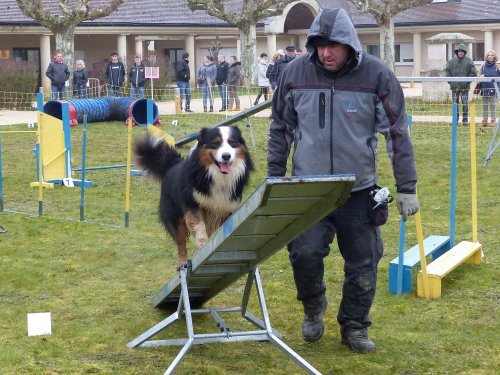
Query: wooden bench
x=464, y=252
x=434, y=247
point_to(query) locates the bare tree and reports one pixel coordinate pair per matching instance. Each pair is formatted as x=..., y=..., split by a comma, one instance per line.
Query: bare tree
x=63, y=24
x=384, y=12
x=251, y=12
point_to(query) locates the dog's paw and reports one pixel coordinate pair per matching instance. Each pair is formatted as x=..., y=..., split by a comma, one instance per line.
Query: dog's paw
x=181, y=263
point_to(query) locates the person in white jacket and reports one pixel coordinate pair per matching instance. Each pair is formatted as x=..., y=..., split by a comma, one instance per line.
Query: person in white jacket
x=262, y=80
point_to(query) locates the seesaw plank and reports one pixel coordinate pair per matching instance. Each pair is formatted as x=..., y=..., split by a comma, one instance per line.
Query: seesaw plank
x=278, y=211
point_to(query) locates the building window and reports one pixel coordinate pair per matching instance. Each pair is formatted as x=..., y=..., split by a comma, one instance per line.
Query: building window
x=403, y=52
x=373, y=49
x=478, y=51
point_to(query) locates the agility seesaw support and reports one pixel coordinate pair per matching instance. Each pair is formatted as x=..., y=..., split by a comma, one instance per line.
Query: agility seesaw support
x=278, y=211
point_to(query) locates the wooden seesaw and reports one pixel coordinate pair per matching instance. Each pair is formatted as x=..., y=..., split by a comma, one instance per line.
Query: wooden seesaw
x=278, y=211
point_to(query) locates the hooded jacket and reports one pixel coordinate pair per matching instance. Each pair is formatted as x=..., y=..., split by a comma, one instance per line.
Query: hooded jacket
x=460, y=67
x=333, y=118
x=182, y=72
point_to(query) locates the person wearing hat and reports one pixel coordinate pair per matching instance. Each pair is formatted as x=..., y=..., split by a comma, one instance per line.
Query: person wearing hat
x=332, y=103
x=461, y=66
x=281, y=63
x=115, y=74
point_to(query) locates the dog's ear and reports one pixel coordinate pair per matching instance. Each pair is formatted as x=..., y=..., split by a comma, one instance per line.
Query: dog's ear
x=201, y=134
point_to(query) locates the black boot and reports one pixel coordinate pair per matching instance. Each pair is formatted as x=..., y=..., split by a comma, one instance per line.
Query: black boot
x=211, y=108
x=204, y=109
x=312, y=325
x=357, y=339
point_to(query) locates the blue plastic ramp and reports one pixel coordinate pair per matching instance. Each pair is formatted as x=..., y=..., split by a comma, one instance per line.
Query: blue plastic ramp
x=278, y=211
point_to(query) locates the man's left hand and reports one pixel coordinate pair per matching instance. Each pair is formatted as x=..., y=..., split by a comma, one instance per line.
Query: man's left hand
x=407, y=204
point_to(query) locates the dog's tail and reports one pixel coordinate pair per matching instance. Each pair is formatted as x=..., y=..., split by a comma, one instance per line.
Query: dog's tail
x=156, y=156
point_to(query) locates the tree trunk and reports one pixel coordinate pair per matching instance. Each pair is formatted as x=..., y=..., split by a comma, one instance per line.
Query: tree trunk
x=248, y=41
x=65, y=43
x=387, y=41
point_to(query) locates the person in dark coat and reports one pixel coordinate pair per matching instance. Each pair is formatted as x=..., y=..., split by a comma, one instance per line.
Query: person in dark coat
x=221, y=80
x=115, y=74
x=489, y=89
x=182, y=77
x=281, y=63
x=233, y=84
x=137, y=78
x=80, y=79
x=461, y=66
x=58, y=73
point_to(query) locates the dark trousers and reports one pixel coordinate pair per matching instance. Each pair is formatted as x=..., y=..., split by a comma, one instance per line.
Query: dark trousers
x=263, y=91
x=360, y=245
x=463, y=96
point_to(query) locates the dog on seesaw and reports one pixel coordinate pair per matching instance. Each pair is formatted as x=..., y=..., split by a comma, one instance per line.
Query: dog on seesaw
x=198, y=193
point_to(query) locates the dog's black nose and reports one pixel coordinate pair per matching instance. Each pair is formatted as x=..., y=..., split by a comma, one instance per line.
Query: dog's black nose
x=226, y=156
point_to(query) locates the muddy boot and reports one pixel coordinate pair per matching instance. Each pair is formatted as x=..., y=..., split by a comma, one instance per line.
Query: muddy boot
x=312, y=326
x=357, y=339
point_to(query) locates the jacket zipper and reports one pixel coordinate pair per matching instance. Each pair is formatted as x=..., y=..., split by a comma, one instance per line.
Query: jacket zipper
x=322, y=107
x=331, y=127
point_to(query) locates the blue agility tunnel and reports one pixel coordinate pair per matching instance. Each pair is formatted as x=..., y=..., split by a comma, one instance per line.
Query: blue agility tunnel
x=103, y=109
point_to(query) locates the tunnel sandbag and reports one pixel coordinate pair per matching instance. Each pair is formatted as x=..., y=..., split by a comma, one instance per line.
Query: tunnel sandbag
x=103, y=109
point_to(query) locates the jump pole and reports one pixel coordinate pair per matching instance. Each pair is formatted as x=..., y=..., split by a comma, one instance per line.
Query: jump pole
x=453, y=175
x=473, y=173
x=127, y=178
x=84, y=156
x=402, y=237
x=1, y=176
x=39, y=105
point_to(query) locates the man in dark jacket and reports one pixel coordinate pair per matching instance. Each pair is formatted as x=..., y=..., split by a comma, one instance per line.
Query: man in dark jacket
x=115, y=74
x=58, y=73
x=221, y=80
x=331, y=103
x=182, y=77
x=461, y=66
x=137, y=78
x=281, y=63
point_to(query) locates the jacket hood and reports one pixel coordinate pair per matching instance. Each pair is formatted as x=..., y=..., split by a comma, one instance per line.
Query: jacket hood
x=334, y=25
x=460, y=47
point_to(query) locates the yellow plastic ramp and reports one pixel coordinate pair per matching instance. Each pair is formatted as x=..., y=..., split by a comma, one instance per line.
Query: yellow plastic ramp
x=464, y=252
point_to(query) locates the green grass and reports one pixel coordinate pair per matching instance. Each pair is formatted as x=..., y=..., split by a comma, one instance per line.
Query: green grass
x=97, y=277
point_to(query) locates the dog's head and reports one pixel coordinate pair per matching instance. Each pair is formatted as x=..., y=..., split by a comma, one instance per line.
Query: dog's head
x=223, y=148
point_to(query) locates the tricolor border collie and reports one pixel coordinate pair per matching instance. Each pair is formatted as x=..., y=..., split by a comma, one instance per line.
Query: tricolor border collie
x=198, y=193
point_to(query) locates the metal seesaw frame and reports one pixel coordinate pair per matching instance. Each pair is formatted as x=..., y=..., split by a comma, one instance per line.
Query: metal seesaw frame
x=265, y=333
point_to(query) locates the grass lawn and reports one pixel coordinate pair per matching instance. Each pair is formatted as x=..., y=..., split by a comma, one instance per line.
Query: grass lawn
x=97, y=277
